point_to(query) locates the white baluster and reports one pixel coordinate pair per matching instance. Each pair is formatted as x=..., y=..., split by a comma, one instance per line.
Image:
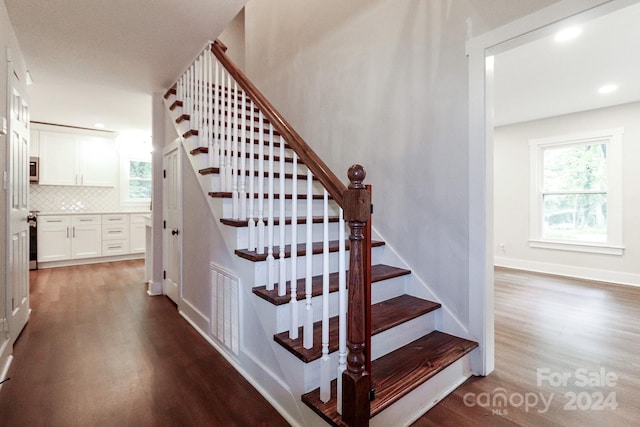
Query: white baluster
x=271, y=273
x=216, y=121
x=282, y=280
x=211, y=116
x=293, y=304
x=251, y=219
x=243, y=159
x=342, y=308
x=198, y=97
x=196, y=107
x=234, y=166
x=222, y=125
x=325, y=368
x=228, y=123
x=260, y=226
x=209, y=98
x=307, y=331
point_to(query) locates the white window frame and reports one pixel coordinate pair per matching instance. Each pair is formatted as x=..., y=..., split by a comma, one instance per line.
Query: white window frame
x=613, y=140
x=124, y=180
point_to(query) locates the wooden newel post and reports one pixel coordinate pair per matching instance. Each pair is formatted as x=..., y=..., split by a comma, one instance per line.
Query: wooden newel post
x=356, y=381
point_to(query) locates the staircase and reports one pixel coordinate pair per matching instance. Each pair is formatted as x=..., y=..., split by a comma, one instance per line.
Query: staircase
x=281, y=211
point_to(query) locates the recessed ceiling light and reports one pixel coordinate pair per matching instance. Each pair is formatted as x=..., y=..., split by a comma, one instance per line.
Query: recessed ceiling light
x=608, y=88
x=567, y=34
x=99, y=125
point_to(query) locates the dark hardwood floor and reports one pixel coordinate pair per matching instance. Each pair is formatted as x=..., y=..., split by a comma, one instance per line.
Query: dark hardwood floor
x=97, y=351
x=547, y=326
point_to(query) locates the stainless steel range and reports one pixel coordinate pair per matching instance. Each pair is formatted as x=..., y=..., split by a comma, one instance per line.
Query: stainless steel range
x=33, y=239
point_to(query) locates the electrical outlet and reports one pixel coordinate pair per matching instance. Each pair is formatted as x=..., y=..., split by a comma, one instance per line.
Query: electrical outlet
x=502, y=249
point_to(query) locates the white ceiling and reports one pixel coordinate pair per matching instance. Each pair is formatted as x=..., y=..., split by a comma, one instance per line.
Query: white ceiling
x=101, y=60
x=545, y=78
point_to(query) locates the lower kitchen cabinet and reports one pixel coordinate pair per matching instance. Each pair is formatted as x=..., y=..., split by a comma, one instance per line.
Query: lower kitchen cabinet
x=82, y=236
x=86, y=233
x=69, y=237
x=137, y=242
x=54, y=242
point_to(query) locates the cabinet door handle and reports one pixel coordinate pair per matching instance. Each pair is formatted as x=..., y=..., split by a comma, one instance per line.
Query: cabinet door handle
x=74, y=232
x=67, y=232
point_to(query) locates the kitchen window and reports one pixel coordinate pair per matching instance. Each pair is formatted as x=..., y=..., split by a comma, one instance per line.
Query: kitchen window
x=576, y=201
x=136, y=183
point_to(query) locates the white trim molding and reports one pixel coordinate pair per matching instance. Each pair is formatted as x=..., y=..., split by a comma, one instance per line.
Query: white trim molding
x=574, y=271
x=613, y=140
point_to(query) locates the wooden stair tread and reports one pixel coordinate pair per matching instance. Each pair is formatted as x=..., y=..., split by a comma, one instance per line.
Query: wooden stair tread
x=276, y=175
x=276, y=221
x=229, y=195
x=255, y=141
x=384, y=315
x=379, y=273
x=396, y=374
x=255, y=128
x=256, y=156
x=316, y=249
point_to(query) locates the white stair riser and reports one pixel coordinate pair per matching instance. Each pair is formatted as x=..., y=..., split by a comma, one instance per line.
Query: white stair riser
x=214, y=184
x=380, y=291
x=260, y=267
x=317, y=208
x=317, y=232
x=394, y=338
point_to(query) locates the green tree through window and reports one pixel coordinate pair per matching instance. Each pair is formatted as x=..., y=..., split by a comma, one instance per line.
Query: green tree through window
x=139, y=180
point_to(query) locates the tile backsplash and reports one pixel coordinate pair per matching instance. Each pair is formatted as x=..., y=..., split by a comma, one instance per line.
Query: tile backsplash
x=59, y=198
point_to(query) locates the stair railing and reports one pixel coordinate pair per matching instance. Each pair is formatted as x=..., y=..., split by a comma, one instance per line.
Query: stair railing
x=225, y=111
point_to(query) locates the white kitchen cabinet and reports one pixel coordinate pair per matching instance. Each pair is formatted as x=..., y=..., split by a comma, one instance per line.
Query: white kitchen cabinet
x=137, y=242
x=57, y=159
x=86, y=236
x=67, y=237
x=115, y=234
x=98, y=163
x=54, y=238
x=34, y=143
x=69, y=159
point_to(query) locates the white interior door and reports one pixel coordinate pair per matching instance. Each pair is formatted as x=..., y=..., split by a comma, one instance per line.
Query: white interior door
x=18, y=206
x=172, y=226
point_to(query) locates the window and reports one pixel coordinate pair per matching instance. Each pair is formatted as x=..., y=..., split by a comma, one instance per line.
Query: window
x=575, y=194
x=136, y=183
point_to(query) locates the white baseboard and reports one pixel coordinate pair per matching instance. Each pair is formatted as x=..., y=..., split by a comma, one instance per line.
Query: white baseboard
x=5, y=369
x=154, y=288
x=85, y=261
x=578, y=272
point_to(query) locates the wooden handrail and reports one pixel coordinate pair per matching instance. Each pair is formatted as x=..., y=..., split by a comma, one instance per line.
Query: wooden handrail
x=320, y=170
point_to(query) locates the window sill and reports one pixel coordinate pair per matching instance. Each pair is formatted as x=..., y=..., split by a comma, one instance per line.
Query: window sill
x=593, y=248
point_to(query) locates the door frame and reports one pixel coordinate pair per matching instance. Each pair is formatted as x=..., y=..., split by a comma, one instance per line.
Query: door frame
x=480, y=51
x=176, y=145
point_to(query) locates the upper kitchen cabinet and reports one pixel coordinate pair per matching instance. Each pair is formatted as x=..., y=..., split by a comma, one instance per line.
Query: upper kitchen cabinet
x=81, y=160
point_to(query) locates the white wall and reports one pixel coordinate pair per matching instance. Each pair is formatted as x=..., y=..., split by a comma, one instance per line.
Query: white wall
x=511, y=151
x=384, y=84
x=233, y=38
